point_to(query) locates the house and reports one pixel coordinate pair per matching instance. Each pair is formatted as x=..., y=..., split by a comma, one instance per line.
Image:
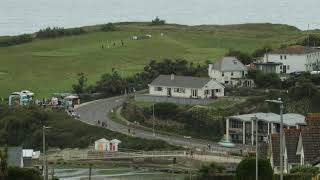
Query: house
x=15, y=157
x=230, y=72
x=301, y=145
x=104, y=145
x=101, y=145
x=185, y=87
x=268, y=67
x=27, y=155
x=241, y=128
x=295, y=58
x=290, y=156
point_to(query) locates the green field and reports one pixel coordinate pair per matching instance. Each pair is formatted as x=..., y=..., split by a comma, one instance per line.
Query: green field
x=52, y=65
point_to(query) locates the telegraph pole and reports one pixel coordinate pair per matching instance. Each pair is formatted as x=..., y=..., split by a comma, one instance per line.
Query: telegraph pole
x=90, y=171
x=153, y=133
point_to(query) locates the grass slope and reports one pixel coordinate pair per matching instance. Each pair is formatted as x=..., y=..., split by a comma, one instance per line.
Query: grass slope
x=51, y=65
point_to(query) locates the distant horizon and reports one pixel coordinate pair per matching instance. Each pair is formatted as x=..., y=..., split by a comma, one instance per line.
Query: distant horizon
x=28, y=16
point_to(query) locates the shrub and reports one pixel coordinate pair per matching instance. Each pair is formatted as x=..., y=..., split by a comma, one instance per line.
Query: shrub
x=109, y=27
x=11, y=41
x=58, y=32
x=305, y=169
x=15, y=173
x=158, y=21
x=246, y=169
x=165, y=110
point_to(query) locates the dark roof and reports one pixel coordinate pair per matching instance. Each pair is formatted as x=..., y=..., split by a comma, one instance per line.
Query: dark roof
x=14, y=156
x=267, y=63
x=229, y=64
x=292, y=139
x=296, y=49
x=275, y=144
x=310, y=142
x=181, y=81
x=291, y=142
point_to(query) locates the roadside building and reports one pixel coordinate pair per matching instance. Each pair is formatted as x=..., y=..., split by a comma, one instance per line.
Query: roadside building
x=241, y=128
x=268, y=67
x=114, y=145
x=186, y=87
x=15, y=157
x=295, y=58
x=101, y=145
x=230, y=72
x=301, y=145
x=27, y=155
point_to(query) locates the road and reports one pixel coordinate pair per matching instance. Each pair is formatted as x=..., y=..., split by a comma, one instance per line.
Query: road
x=93, y=111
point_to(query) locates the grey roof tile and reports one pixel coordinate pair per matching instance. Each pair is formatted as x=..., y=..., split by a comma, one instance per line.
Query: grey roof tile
x=229, y=64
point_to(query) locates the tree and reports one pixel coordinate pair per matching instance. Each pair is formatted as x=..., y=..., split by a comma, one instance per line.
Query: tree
x=207, y=172
x=109, y=27
x=260, y=52
x=246, y=169
x=82, y=84
x=311, y=40
x=158, y=21
x=3, y=165
x=245, y=58
x=303, y=88
x=265, y=80
x=111, y=84
x=305, y=170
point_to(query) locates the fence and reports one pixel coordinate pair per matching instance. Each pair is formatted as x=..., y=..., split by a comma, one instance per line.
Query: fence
x=149, y=98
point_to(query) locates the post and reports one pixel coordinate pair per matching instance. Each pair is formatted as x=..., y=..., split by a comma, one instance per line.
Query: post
x=252, y=133
x=268, y=129
x=243, y=132
x=281, y=141
x=90, y=171
x=227, y=129
x=44, y=153
x=257, y=148
x=153, y=133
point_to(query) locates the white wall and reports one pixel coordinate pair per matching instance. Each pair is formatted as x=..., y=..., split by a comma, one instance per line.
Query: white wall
x=313, y=60
x=296, y=62
x=188, y=91
x=217, y=75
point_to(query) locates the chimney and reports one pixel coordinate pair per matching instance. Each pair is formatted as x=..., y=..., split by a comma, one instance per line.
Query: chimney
x=210, y=69
x=172, y=77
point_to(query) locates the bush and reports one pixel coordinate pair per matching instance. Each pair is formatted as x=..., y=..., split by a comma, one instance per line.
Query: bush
x=109, y=27
x=158, y=21
x=11, y=41
x=245, y=58
x=165, y=110
x=58, y=32
x=15, y=173
x=246, y=169
x=305, y=169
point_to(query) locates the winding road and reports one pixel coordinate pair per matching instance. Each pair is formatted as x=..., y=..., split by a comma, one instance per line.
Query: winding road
x=93, y=111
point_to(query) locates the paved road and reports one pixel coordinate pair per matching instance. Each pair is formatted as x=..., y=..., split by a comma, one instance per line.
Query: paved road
x=97, y=110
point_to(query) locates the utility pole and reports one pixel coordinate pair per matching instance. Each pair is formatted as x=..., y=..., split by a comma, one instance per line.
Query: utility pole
x=257, y=149
x=44, y=160
x=281, y=141
x=153, y=133
x=280, y=102
x=90, y=171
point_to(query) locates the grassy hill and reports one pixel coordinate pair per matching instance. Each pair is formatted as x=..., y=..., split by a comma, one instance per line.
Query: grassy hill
x=52, y=65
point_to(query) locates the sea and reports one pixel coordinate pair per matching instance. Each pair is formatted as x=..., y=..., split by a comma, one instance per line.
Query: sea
x=27, y=16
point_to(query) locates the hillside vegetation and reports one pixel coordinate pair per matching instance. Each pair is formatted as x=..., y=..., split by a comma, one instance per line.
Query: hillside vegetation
x=51, y=65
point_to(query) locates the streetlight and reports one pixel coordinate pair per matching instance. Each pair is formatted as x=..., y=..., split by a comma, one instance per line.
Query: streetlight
x=153, y=133
x=44, y=163
x=280, y=102
x=257, y=152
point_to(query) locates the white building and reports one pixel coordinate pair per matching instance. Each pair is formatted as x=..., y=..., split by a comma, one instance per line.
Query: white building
x=295, y=59
x=104, y=145
x=185, y=87
x=230, y=71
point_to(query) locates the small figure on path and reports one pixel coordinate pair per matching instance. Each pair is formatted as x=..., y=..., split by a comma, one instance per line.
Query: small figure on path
x=122, y=43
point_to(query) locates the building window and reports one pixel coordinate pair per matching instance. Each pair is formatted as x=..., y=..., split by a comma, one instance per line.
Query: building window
x=288, y=67
x=281, y=57
x=231, y=73
x=285, y=57
x=218, y=90
x=226, y=82
x=206, y=92
x=281, y=67
x=158, y=88
x=179, y=90
x=222, y=74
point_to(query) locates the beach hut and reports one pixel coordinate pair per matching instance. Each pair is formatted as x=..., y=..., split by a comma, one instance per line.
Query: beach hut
x=101, y=145
x=114, y=145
